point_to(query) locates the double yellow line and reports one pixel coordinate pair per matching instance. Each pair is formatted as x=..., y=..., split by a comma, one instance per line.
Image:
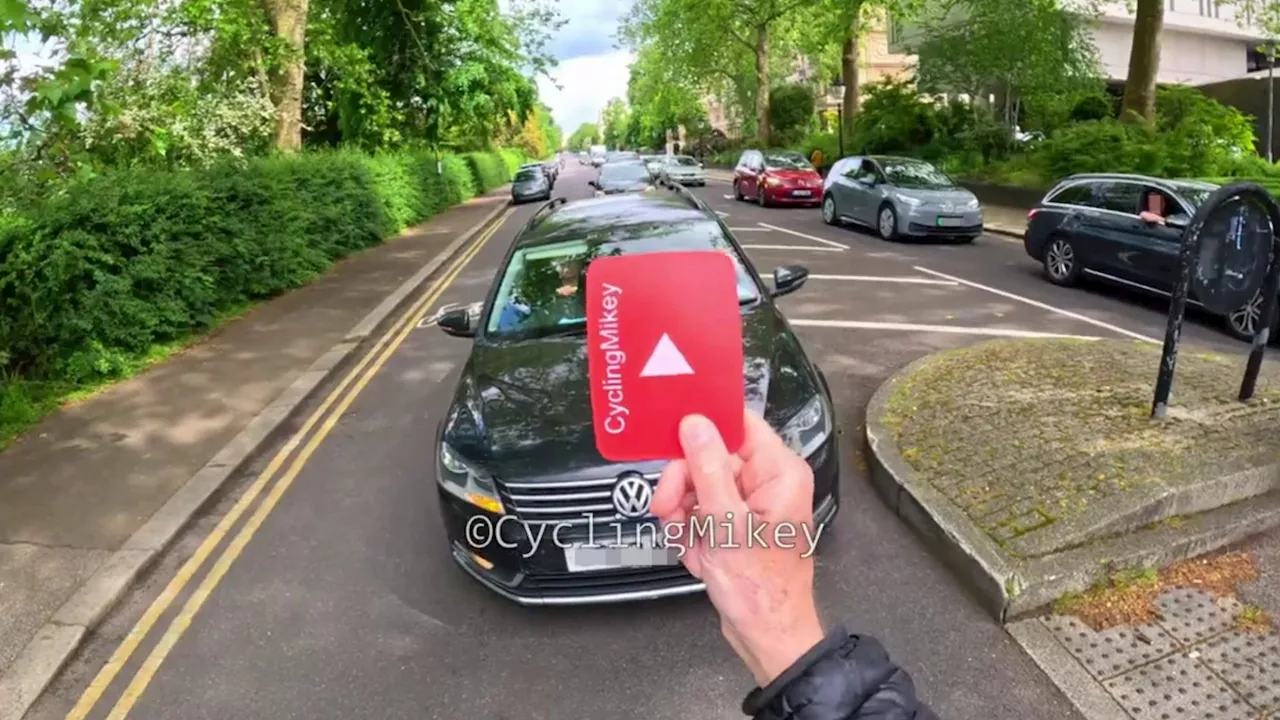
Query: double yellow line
x=356, y=380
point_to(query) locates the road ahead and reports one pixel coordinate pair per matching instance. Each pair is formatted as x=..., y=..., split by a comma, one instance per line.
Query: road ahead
x=339, y=600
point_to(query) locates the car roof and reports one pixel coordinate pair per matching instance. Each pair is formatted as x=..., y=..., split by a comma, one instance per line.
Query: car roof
x=617, y=216
x=1167, y=183
x=896, y=158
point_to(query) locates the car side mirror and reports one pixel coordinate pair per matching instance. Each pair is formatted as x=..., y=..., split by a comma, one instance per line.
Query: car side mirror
x=1177, y=221
x=592, y=183
x=457, y=323
x=788, y=279
x=868, y=180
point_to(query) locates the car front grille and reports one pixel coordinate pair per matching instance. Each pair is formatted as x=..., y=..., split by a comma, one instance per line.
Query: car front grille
x=574, y=502
x=614, y=581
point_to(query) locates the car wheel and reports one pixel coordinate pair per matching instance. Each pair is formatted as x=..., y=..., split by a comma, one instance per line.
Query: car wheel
x=829, y=214
x=1061, y=264
x=737, y=191
x=761, y=197
x=887, y=222
x=1244, y=323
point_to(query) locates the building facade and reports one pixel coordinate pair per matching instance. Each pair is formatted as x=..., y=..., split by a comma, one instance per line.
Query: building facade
x=1203, y=41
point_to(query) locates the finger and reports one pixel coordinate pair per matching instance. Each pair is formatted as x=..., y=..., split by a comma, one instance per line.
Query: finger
x=674, y=486
x=765, y=457
x=710, y=465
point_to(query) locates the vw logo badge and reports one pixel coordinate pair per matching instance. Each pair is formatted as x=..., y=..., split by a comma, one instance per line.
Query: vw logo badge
x=632, y=495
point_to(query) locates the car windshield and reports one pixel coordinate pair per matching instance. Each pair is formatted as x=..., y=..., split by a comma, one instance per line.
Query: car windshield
x=786, y=161
x=1195, y=195
x=686, y=160
x=527, y=175
x=624, y=173
x=915, y=174
x=542, y=292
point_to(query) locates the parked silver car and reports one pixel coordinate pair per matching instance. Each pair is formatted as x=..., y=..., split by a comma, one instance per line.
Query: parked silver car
x=530, y=183
x=683, y=169
x=897, y=196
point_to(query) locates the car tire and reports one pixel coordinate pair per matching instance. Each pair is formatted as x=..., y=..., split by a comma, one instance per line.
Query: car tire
x=762, y=198
x=1243, y=323
x=830, y=214
x=1062, y=262
x=737, y=191
x=887, y=222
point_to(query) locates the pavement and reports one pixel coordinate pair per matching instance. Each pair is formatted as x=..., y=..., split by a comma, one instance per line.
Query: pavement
x=1035, y=466
x=94, y=493
x=318, y=584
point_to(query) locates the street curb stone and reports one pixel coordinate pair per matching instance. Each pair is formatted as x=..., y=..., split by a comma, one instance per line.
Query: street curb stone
x=1008, y=588
x=47, y=653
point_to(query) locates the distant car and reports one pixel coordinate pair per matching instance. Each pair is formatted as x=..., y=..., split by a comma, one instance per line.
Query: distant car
x=622, y=177
x=654, y=164
x=540, y=167
x=1088, y=225
x=683, y=169
x=899, y=197
x=621, y=156
x=530, y=183
x=776, y=178
x=515, y=441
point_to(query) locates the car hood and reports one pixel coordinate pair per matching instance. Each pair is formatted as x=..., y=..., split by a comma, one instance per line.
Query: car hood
x=956, y=196
x=796, y=175
x=523, y=410
x=610, y=188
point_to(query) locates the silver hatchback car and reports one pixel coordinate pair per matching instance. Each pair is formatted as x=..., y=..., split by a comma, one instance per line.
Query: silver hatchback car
x=897, y=196
x=530, y=183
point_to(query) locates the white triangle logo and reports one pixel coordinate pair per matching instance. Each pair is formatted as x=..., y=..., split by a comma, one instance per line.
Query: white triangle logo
x=666, y=360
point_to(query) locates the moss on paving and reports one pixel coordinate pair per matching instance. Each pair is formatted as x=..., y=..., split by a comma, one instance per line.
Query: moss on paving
x=1023, y=433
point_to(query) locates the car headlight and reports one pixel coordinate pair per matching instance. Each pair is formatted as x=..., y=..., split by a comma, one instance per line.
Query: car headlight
x=467, y=482
x=808, y=429
x=908, y=200
x=772, y=182
x=973, y=204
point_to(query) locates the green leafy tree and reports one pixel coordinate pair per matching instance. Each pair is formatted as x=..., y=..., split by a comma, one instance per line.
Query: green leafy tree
x=662, y=99
x=1027, y=52
x=584, y=137
x=791, y=108
x=615, y=119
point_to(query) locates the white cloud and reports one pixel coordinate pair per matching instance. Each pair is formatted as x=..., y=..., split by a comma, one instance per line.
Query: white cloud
x=586, y=84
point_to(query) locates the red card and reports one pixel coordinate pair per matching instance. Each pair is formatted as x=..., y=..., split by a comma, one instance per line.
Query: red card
x=664, y=336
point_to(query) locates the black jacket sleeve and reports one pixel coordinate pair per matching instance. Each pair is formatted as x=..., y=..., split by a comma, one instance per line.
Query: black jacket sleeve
x=844, y=677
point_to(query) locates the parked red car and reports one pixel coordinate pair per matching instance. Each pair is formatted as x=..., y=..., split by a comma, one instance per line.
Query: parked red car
x=777, y=178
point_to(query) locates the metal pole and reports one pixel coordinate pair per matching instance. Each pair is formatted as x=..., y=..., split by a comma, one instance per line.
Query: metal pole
x=1173, y=330
x=840, y=125
x=1267, y=319
x=1271, y=100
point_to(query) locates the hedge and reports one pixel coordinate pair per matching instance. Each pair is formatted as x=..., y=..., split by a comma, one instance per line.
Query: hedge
x=97, y=277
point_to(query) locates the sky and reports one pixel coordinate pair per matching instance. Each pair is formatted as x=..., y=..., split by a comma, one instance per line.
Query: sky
x=591, y=70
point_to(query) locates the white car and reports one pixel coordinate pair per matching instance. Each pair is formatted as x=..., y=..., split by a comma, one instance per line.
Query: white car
x=684, y=169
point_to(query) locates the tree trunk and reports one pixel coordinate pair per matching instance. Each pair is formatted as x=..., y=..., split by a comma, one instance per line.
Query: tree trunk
x=1144, y=62
x=849, y=74
x=762, y=84
x=289, y=23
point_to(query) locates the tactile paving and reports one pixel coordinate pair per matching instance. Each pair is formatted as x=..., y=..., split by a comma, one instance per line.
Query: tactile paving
x=1108, y=653
x=1177, y=688
x=1250, y=662
x=1192, y=615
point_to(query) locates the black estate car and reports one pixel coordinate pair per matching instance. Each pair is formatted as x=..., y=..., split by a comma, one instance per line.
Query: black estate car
x=622, y=177
x=1090, y=225
x=516, y=451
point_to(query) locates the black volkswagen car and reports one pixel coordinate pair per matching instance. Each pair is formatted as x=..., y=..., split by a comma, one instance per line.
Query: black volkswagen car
x=622, y=177
x=516, y=453
x=1090, y=225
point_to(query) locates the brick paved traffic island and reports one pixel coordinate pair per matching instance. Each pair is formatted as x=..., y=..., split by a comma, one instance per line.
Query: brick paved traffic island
x=1034, y=468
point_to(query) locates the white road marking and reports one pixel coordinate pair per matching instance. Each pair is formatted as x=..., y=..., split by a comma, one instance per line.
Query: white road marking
x=729, y=197
x=746, y=229
x=722, y=214
x=874, y=278
x=791, y=247
x=952, y=329
x=1044, y=306
x=814, y=238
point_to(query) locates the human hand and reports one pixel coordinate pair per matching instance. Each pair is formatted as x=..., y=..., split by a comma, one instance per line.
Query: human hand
x=763, y=591
x=566, y=290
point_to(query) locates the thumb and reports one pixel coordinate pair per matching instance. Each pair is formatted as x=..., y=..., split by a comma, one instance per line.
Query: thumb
x=710, y=465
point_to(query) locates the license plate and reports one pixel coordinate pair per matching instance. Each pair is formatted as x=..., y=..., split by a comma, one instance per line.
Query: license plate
x=802, y=193
x=584, y=558
x=950, y=221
